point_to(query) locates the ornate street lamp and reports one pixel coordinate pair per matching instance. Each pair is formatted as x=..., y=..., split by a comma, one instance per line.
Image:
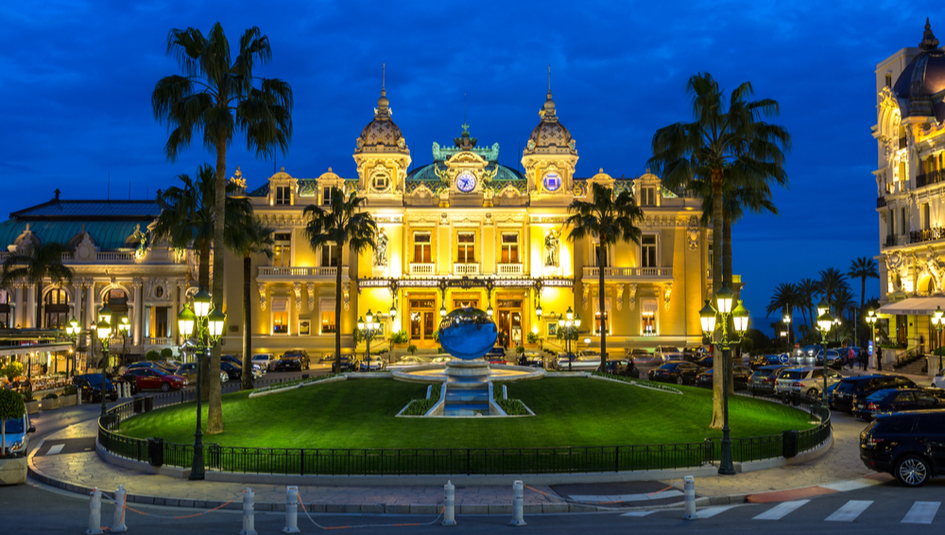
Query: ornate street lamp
x=73, y=331
x=787, y=322
x=104, y=332
x=871, y=318
x=368, y=329
x=569, y=324
x=708, y=317
x=825, y=323
x=938, y=322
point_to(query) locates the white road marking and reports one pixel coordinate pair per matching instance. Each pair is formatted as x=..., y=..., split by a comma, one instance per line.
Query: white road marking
x=712, y=511
x=627, y=497
x=55, y=449
x=781, y=510
x=856, y=484
x=638, y=513
x=921, y=513
x=849, y=511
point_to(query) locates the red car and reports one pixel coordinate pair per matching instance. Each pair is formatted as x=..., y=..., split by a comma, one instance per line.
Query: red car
x=151, y=379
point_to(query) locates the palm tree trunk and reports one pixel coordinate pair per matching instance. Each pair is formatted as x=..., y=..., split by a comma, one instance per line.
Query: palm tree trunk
x=337, y=365
x=727, y=277
x=717, y=368
x=215, y=408
x=600, y=305
x=247, y=322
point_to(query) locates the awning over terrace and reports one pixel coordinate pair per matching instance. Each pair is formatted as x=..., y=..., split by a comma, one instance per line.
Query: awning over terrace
x=913, y=306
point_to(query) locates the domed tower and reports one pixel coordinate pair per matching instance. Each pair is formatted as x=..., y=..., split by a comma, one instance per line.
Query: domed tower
x=920, y=86
x=549, y=157
x=382, y=155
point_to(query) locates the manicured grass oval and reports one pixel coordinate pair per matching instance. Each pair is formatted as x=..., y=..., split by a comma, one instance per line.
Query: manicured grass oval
x=570, y=412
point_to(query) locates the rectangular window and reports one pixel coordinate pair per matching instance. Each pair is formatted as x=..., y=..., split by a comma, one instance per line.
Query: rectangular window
x=466, y=247
x=282, y=249
x=283, y=195
x=904, y=226
x=891, y=218
x=421, y=248
x=888, y=80
x=648, y=251
x=326, y=196
x=926, y=217
x=902, y=329
x=160, y=321
x=648, y=196
x=602, y=322
x=381, y=182
x=510, y=248
x=328, y=321
x=648, y=317
x=280, y=316
x=330, y=255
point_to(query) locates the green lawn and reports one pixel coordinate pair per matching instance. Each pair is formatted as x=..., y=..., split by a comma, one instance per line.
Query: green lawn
x=570, y=412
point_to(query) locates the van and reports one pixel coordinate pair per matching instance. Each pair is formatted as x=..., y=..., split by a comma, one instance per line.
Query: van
x=17, y=435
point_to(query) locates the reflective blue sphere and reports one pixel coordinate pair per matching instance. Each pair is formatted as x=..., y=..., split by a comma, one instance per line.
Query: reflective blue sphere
x=467, y=333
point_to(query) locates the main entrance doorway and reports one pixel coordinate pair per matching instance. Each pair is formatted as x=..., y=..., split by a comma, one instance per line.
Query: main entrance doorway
x=509, y=322
x=423, y=316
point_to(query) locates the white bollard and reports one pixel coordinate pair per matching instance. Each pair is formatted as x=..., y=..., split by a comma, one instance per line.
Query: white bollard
x=291, y=510
x=95, y=513
x=449, y=505
x=249, y=527
x=518, y=504
x=118, y=521
x=689, y=492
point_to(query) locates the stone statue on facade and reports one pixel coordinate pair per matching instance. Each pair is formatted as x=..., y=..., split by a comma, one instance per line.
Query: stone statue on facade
x=551, y=249
x=380, y=252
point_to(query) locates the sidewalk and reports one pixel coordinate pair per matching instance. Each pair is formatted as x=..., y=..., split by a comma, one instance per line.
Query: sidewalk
x=67, y=459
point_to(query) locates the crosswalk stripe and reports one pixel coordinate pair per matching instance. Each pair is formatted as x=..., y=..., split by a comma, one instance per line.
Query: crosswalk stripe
x=921, y=513
x=712, y=511
x=849, y=511
x=781, y=510
x=55, y=449
x=627, y=497
x=639, y=513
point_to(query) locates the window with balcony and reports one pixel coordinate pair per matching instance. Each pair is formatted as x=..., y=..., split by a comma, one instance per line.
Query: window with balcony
x=904, y=225
x=648, y=256
x=331, y=255
x=282, y=249
x=283, y=195
x=891, y=219
x=926, y=217
x=422, y=253
x=466, y=247
x=509, y=254
x=280, y=316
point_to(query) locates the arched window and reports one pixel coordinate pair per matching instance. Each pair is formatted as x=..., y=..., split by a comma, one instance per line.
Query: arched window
x=6, y=310
x=56, y=309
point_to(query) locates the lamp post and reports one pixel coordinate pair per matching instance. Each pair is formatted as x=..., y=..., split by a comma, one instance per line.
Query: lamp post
x=73, y=330
x=723, y=299
x=207, y=325
x=787, y=323
x=871, y=319
x=937, y=321
x=124, y=326
x=569, y=324
x=368, y=329
x=104, y=331
x=825, y=323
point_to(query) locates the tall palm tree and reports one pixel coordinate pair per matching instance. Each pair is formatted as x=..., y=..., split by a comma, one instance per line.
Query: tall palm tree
x=255, y=238
x=609, y=218
x=809, y=290
x=343, y=224
x=220, y=96
x=785, y=299
x=187, y=219
x=863, y=268
x=721, y=142
x=832, y=280
x=34, y=264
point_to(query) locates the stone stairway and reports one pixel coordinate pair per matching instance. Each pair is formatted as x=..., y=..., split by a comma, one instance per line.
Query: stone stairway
x=913, y=368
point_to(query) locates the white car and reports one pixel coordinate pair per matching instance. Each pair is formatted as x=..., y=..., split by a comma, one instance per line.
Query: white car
x=18, y=434
x=669, y=354
x=265, y=361
x=939, y=381
x=807, y=380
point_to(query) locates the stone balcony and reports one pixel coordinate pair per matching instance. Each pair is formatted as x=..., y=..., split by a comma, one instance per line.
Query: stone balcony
x=630, y=273
x=465, y=269
x=274, y=273
x=422, y=268
x=509, y=269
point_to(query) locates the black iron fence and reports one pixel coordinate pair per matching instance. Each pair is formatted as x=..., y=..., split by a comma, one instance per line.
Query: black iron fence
x=436, y=461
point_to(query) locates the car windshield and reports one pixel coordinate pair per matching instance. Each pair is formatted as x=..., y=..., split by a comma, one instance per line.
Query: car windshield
x=794, y=374
x=261, y=357
x=14, y=426
x=763, y=373
x=847, y=386
x=880, y=395
x=669, y=366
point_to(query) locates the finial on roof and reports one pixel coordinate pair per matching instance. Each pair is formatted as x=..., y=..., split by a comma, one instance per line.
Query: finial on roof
x=549, y=79
x=601, y=170
x=383, y=105
x=57, y=192
x=929, y=42
x=282, y=169
x=329, y=170
x=238, y=172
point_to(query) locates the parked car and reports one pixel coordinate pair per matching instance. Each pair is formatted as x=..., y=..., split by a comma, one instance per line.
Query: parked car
x=151, y=379
x=895, y=400
x=90, y=387
x=704, y=362
x=939, y=380
x=906, y=445
x=408, y=360
x=624, y=367
x=669, y=353
x=836, y=358
x=233, y=372
x=257, y=369
x=740, y=376
x=17, y=434
x=757, y=361
x=641, y=356
x=374, y=365
x=154, y=365
x=293, y=360
x=189, y=370
x=679, y=372
x=807, y=380
x=497, y=352
x=764, y=378
x=266, y=361
x=853, y=390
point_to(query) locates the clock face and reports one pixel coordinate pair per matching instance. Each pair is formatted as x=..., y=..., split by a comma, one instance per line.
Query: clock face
x=552, y=181
x=466, y=181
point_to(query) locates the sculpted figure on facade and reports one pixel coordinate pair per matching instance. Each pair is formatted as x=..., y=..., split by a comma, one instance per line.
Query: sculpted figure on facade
x=894, y=264
x=935, y=268
x=667, y=293
x=632, y=297
x=380, y=252
x=551, y=249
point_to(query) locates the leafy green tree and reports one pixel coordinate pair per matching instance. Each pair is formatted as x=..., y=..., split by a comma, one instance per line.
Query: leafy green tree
x=255, y=238
x=152, y=355
x=343, y=224
x=11, y=406
x=722, y=143
x=219, y=96
x=610, y=219
x=34, y=263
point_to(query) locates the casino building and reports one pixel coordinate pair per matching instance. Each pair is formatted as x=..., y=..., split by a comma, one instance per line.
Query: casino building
x=460, y=230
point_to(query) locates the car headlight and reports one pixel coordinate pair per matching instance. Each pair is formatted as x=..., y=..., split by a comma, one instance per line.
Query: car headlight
x=17, y=446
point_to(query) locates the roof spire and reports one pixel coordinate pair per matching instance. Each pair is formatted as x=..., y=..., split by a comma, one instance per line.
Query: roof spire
x=383, y=105
x=383, y=75
x=549, y=79
x=547, y=112
x=929, y=42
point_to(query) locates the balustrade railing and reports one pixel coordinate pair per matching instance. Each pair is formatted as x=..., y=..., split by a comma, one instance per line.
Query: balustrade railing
x=465, y=269
x=592, y=271
x=510, y=269
x=927, y=179
x=930, y=234
x=422, y=268
x=278, y=271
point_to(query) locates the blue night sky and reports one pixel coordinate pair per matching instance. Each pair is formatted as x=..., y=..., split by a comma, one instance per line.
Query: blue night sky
x=77, y=78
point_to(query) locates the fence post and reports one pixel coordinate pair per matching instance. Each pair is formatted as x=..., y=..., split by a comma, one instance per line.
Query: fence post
x=449, y=511
x=248, y=519
x=518, y=506
x=291, y=510
x=689, y=491
x=95, y=513
x=118, y=521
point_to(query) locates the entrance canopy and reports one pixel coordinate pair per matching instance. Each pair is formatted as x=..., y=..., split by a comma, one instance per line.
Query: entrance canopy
x=913, y=306
x=7, y=351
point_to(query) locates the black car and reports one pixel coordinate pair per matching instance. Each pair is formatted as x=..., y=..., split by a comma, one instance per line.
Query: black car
x=908, y=445
x=740, y=377
x=895, y=400
x=764, y=378
x=852, y=390
x=679, y=372
x=704, y=362
x=90, y=386
x=296, y=360
x=232, y=371
x=623, y=367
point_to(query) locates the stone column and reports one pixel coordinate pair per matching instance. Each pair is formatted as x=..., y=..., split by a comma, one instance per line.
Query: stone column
x=77, y=305
x=175, y=309
x=90, y=317
x=136, y=316
x=30, y=318
x=18, y=308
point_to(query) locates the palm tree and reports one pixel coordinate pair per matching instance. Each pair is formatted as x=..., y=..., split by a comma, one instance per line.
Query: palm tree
x=610, y=219
x=187, y=219
x=220, y=98
x=863, y=268
x=786, y=298
x=255, y=238
x=808, y=290
x=832, y=280
x=35, y=263
x=342, y=224
x=717, y=145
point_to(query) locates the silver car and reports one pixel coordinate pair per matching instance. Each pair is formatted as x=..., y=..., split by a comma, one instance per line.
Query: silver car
x=807, y=380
